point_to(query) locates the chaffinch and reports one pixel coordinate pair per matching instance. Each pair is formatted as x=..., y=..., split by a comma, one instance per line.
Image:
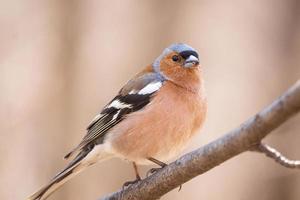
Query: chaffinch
x=150, y=120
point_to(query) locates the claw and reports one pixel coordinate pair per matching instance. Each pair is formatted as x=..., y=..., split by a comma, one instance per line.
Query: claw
x=152, y=171
x=180, y=187
x=128, y=183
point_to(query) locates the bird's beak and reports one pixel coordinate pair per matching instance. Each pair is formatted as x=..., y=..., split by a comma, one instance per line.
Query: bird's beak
x=191, y=61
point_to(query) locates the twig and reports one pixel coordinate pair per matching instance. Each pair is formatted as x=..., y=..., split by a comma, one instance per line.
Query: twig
x=277, y=156
x=239, y=140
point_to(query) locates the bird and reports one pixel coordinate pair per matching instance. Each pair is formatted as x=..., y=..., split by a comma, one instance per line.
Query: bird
x=150, y=120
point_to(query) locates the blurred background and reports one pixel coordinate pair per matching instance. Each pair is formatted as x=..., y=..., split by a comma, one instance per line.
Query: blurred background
x=61, y=61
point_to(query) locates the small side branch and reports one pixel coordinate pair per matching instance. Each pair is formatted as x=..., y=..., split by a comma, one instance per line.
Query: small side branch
x=277, y=156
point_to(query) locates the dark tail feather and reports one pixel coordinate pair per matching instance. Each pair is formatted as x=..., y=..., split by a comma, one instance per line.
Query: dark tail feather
x=70, y=171
x=73, y=151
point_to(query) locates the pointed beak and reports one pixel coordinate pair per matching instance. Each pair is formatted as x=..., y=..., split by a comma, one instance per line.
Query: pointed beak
x=191, y=61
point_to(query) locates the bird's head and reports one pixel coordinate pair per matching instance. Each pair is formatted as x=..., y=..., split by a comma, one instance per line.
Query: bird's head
x=179, y=63
x=178, y=55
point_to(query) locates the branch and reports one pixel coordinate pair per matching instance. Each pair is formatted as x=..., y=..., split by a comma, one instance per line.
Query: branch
x=243, y=138
x=277, y=156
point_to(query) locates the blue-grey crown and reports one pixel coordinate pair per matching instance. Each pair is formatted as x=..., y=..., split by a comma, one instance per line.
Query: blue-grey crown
x=181, y=47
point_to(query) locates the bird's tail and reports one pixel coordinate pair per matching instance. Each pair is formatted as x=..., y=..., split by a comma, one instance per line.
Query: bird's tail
x=70, y=171
x=81, y=161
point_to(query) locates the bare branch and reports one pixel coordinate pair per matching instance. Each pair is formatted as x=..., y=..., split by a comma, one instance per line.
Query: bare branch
x=239, y=140
x=277, y=156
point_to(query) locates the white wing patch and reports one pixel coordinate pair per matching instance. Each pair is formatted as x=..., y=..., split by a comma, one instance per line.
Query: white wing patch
x=116, y=115
x=150, y=88
x=118, y=105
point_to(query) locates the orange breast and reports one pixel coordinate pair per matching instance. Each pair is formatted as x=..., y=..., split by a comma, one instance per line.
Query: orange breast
x=162, y=128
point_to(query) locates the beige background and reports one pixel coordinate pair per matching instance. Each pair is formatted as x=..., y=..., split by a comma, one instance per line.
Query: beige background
x=61, y=61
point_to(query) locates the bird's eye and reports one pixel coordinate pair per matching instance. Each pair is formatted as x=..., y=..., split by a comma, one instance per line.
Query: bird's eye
x=175, y=58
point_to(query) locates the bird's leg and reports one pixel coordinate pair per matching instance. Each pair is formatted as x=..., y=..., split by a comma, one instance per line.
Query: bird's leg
x=153, y=170
x=138, y=177
x=136, y=171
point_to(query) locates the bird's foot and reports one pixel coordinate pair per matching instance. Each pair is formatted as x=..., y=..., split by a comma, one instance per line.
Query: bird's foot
x=128, y=183
x=153, y=171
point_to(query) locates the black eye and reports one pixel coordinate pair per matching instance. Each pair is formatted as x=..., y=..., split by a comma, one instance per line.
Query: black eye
x=175, y=58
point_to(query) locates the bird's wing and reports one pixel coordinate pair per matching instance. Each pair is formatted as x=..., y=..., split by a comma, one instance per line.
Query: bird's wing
x=132, y=97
